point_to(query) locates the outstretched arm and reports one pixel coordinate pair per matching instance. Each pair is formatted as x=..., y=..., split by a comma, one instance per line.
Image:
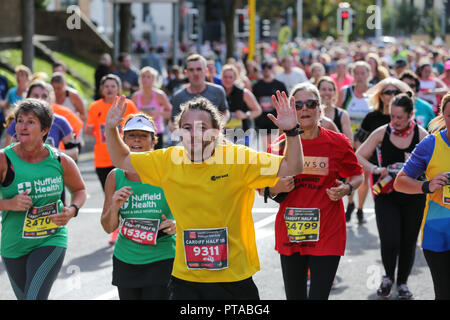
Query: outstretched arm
x=292, y=163
x=117, y=149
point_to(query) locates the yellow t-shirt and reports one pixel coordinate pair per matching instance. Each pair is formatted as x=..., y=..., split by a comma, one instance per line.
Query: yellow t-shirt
x=212, y=203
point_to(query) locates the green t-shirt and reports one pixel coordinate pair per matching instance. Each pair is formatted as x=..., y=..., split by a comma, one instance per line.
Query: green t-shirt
x=24, y=231
x=146, y=202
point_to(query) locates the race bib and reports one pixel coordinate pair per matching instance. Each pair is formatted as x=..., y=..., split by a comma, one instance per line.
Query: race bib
x=37, y=222
x=266, y=103
x=302, y=224
x=206, y=248
x=140, y=230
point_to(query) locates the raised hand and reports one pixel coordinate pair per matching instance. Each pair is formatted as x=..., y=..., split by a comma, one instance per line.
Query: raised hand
x=286, y=114
x=116, y=112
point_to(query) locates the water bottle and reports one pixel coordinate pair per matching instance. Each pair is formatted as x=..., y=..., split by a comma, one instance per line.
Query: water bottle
x=381, y=184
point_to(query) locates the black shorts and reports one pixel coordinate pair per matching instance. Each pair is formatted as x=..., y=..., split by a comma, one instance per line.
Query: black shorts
x=141, y=275
x=187, y=290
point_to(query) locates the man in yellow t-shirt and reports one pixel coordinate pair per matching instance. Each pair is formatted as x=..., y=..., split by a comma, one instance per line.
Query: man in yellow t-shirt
x=227, y=251
x=210, y=196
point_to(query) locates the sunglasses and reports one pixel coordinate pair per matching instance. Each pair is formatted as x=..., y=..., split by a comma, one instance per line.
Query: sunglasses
x=310, y=104
x=267, y=67
x=391, y=92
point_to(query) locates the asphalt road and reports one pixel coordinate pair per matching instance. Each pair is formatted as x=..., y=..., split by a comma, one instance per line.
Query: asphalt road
x=87, y=269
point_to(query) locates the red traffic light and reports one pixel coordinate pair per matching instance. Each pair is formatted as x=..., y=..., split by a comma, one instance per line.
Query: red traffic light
x=344, y=14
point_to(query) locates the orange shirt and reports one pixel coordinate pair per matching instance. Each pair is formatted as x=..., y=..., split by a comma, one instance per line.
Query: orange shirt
x=96, y=119
x=74, y=120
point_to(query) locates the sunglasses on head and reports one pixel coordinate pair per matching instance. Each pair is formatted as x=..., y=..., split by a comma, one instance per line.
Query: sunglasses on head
x=391, y=92
x=310, y=104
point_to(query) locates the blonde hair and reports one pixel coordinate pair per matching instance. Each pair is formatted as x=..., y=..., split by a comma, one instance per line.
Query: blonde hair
x=230, y=67
x=374, y=93
x=24, y=70
x=364, y=65
x=196, y=57
x=153, y=72
x=438, y=123
x=307, y=86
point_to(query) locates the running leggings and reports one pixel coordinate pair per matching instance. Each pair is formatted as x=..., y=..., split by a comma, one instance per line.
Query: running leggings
x=295, y=273
x=398, y=225
x=32, y=276
x=439, y=263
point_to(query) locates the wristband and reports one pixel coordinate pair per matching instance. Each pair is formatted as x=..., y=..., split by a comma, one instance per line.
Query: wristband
x=294, y=131
x=374, y=168
x=426, y=187
x=77, y=208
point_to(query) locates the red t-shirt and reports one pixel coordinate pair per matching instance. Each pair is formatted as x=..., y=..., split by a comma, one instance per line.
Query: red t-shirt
x=326, y=158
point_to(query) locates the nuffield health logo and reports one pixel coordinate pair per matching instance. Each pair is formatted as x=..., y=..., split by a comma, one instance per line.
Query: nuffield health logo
x=24, y=186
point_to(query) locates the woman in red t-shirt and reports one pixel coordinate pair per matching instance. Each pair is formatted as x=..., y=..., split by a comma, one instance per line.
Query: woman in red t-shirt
x=310, y=230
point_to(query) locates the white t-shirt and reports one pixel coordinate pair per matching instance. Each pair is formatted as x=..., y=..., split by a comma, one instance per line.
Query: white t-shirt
x=295, y=77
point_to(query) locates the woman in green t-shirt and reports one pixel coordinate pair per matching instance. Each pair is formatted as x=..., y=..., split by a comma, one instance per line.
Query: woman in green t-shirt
x=145, y=248
x=34, y=218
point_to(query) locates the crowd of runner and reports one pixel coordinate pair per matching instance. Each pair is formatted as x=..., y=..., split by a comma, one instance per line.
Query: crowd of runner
x=305, y=125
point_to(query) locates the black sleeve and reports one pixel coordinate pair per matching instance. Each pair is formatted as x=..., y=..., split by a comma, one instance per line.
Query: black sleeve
x=278, y=198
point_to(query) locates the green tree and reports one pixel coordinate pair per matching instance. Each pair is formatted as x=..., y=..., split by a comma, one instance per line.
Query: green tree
x=319, y=16
x=408, y=18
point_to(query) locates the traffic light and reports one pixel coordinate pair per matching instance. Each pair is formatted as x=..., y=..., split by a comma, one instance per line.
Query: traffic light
x=344, y=17
x=242, y=23
x=264, y=28
x=344, y=14
x=193, y=24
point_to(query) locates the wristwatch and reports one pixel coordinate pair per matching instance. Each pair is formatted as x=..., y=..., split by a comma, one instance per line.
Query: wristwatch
x=351, y=188
x=77, y=208
x=294, y=131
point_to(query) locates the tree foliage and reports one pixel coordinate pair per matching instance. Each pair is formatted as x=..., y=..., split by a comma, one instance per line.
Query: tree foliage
x=320, y=17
